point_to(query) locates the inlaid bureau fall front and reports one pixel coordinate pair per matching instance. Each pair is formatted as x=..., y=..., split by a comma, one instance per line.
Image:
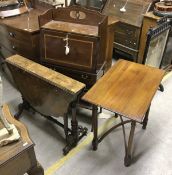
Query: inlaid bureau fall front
x=127, y=90
x=74, y=42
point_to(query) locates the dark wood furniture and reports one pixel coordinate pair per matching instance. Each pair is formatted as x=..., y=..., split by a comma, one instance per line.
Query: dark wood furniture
x=20, y=34
x=18, y=157
x=126, y=89
x=49, y=93
x=127, y=31
x=86, y=34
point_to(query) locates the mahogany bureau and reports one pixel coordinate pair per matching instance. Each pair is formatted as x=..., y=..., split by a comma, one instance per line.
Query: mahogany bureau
x=77, y=42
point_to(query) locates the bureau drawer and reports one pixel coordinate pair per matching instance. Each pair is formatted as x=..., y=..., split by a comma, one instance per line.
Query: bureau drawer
x=22, y=48
x=127, y=29
x=14, y=33
x=127, y=35
x=126, y=41
x=87, y=78
x=82, y=54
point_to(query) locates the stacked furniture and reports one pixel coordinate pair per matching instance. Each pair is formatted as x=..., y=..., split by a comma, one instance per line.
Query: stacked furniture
x=127, y=32
x=74, y=41
x=130, y=14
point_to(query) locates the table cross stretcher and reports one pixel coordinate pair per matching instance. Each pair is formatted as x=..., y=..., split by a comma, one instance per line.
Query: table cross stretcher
x=127, y=89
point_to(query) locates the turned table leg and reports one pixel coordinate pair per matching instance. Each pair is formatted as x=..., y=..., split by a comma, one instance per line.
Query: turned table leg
x=95, y=127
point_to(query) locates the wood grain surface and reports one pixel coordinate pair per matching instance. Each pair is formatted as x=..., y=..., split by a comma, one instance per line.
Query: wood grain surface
x=127, y=89
x=72, y=27
x=21, y=22
x=53, y=77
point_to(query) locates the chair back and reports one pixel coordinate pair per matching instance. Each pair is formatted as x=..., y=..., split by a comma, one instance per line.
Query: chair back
x=156, y=43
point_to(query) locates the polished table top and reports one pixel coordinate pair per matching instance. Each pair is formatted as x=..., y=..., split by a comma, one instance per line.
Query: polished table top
x=25, y=21
x=127, y=89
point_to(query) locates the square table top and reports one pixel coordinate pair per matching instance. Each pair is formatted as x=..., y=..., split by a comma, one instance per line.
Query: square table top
x=126, y=89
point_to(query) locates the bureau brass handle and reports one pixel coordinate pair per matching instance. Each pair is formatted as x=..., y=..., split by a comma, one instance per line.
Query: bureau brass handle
x=11, y=34
x=84, y=76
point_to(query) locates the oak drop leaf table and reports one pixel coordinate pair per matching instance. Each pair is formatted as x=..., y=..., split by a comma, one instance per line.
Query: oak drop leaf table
x=127, y=90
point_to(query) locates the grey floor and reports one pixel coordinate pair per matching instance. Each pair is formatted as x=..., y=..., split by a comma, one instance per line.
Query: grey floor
x=152, y=153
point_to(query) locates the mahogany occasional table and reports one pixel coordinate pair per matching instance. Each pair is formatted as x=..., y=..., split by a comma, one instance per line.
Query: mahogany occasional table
x=127, y=90
x=18, y=157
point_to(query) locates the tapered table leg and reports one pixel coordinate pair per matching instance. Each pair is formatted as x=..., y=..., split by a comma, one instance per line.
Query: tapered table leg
x=145, y=121
x=128, y=156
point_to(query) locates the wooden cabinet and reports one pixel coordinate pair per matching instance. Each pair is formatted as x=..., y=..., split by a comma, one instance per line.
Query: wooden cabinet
x=127, y=31
x=20, y=34
x=74, y=41
x=83, y=49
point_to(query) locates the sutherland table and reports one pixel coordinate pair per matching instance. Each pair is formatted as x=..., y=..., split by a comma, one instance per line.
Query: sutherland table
x=127, y=90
